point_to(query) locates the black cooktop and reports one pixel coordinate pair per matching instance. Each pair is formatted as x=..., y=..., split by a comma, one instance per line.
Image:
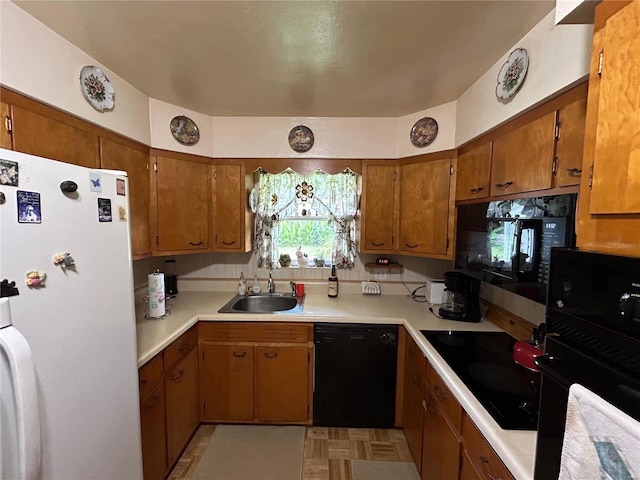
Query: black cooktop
x=484, y=362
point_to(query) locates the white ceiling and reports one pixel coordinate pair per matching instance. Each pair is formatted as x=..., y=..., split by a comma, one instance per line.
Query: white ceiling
x=295, y=58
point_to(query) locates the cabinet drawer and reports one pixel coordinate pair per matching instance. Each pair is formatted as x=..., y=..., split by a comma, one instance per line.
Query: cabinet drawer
x=283, y=333
x=226, y=331
x=149, y=374
x=268, y=332
x=444, y=397
x=180, y=347
x=481, y=454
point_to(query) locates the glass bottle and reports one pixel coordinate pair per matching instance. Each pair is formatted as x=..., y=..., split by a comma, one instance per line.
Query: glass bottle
x=332, y=289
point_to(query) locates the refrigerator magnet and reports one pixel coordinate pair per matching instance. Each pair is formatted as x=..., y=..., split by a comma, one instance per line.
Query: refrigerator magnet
x=36, y=279
x=95, y=183
x=8, y=172
x=64, y=260
x=120, y=187
x=104, y=210
x=122, y=213
x=29, y=210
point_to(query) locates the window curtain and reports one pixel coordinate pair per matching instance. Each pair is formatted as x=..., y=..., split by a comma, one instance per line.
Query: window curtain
x=289, y=194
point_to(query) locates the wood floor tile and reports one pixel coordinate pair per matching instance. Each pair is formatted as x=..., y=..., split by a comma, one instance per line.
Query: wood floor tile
x=404, y=454
x=360, y=434
x=359, y=450
x=315, y=469
x=317, y=448
x=338, y=434
x=385, y=451
x=380, y=434
x=318, y=432
x=340, y=469
x=339, y=449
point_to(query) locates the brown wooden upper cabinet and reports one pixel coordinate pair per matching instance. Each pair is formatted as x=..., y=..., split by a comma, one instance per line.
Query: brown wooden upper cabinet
x=474, y=173
x=46, y=137
x=378, y=214
x=231, y=220
x=426, y=212
x=523, y=159
x=134, y=159
x=611, y=146
x=5, y=132
x=567, y=167
x=182, y=201
x=616, y=160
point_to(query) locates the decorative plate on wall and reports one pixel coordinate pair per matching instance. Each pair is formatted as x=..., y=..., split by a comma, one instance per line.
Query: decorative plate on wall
x=512, y=74
x=301, y=138
x=96, y=88
x=424, y=132
x=184, y=130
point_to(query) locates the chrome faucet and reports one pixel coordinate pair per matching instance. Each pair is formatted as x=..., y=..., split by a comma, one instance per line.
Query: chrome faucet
x=293, y=288
x=271, y=286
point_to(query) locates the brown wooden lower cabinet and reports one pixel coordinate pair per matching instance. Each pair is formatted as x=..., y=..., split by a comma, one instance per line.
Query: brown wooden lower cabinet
x=440, y=443
x=154, y=434
x=482, y=456
x=468, y=470
x=256, y=373
x=182, y=404
x=413, y=396
x=227, y=382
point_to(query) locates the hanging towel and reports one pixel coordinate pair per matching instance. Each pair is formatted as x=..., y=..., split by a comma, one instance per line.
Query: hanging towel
x=600, y=441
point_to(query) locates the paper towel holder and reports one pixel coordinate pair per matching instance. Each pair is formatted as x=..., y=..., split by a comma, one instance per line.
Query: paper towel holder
x=167, y=310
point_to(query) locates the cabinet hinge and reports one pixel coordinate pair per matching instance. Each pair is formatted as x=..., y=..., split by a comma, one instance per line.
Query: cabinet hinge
x=554, y=167
x=600, y=62
x=590, y=176
x=155, y=167
x=8, y=124
x=215, y=174
x=557, y=131
x=450, y=169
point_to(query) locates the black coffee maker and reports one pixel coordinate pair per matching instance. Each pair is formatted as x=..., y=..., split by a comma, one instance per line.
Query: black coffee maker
x=460, y=300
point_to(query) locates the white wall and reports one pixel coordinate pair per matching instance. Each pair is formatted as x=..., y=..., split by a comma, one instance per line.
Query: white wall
x=558, y=58
x=41, y=64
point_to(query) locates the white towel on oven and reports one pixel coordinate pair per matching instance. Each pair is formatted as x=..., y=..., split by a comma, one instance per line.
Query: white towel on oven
x=600, y=441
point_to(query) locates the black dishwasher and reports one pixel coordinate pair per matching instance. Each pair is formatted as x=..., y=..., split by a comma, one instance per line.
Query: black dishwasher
x=355, y=375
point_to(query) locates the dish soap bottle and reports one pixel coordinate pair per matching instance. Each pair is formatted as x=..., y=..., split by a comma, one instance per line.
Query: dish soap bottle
x=333, y=283
x=256, y=285
x=242, y=285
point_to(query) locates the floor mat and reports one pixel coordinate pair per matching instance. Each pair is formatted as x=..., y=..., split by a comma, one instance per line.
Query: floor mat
x=253, y=452
x=376, y=470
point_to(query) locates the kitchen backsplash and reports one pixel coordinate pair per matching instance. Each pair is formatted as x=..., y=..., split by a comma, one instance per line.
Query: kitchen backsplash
x=227, y=266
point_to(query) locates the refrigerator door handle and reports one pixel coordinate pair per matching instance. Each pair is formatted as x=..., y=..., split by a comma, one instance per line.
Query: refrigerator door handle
x=18, y=353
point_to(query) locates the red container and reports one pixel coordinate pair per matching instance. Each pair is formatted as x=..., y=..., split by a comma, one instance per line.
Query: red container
x=299, y=289
x=524, y=353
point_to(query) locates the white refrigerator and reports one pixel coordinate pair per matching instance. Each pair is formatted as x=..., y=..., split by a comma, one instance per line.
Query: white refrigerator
x=69, y=384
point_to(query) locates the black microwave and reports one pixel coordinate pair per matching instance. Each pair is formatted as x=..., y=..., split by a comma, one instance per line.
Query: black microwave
x=508, y=243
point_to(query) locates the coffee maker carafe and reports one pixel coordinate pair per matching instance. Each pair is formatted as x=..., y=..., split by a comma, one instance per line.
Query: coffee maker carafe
x=460, y=300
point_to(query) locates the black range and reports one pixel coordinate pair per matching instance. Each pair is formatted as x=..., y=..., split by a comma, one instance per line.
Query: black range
x=484, y=363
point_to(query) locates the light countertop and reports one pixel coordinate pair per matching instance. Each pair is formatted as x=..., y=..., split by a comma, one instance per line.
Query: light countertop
x=515, y=448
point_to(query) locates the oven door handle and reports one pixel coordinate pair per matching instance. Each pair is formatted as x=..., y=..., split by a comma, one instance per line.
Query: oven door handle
x=545, y=364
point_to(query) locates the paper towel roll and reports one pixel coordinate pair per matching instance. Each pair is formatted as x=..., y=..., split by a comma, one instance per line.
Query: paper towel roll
x=156, y=295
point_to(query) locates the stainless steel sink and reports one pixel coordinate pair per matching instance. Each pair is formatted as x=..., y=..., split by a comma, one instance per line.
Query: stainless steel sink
x=277, y=303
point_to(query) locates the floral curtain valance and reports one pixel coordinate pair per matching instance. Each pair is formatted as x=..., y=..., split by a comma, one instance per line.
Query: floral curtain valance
x=291, y=195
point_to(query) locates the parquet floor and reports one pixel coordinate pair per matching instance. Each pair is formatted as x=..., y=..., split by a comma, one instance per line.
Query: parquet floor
x=327, y=451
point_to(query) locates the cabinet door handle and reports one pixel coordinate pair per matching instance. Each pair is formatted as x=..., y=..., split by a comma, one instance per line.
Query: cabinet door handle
x=195, y=244
x=228, y=243
x=178, y=376
x=377, y=244
x=153, y=401
x=476, y=189
x=184, y=347
x=486, y=467
x=412, y=245
x=574, y=172
x=504, y=185
x=440, y=395
x=239, y=355
x=270, y=355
